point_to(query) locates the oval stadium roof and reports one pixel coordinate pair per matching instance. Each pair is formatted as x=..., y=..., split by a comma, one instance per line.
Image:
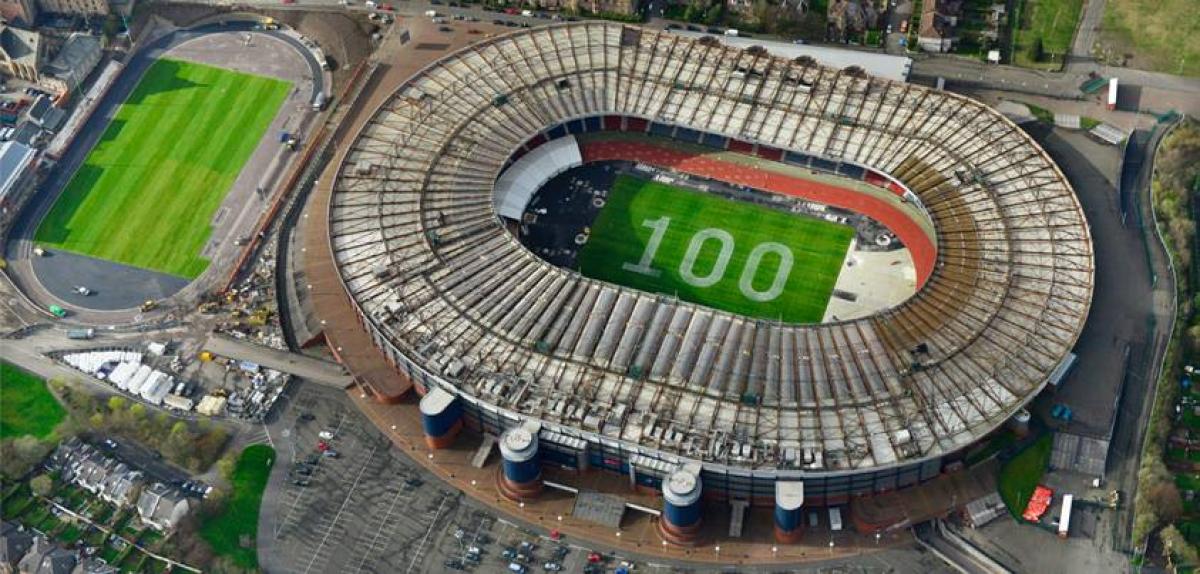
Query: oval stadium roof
x=447, y=290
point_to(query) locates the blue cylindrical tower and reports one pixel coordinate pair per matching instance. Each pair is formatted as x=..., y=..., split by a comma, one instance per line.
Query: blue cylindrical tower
x=522, y=466
x=441, y=418
x=789, y=510
x=681, y=515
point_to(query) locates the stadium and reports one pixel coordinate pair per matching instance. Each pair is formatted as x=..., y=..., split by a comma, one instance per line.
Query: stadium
x=498, y=294
x=162, y=176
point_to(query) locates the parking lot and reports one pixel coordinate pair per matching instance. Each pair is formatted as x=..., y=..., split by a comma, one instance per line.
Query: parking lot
x=372, y=509
x=369, y=509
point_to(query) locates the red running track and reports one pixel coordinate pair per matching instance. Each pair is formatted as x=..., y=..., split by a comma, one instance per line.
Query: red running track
x=920, y=246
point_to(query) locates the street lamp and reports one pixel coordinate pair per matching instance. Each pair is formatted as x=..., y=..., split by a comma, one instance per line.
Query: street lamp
x=774, y=552
x=718, y=549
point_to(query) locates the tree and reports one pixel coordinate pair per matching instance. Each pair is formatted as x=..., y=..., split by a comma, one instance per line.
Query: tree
x=179, y=443
x=226, y=465
x=41, y=485
x=1036, y=52
x=112, y=26
x=1174, y=541
x=116, y=403
x=1167, y=503
x=19, y=455
x=713, y=14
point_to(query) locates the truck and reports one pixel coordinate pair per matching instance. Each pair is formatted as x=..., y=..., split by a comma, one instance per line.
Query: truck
x=732, y=32
x=83, y=334
x=58, y=311
x=431, y=13
x=319, y=102
x=1112, y=94
x=1064, y=520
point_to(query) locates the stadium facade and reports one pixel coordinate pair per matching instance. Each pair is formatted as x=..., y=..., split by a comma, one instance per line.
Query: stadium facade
x=644, y=385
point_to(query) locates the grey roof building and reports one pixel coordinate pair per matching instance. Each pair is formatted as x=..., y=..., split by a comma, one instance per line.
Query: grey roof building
x=46, y=558
x=94, y=566
x=77, y=58
x=46, y=115
x=162, y=507
x=91, y=470
x=14, y=544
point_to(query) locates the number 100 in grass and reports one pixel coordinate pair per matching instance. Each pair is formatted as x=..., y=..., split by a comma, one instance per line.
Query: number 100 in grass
x=725, y=244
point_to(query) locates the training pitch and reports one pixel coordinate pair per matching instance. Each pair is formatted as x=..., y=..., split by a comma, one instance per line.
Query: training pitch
x=146, y=194
x=721, y=253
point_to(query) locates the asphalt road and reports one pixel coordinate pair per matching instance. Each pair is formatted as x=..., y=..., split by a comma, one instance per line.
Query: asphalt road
x=1088, y=30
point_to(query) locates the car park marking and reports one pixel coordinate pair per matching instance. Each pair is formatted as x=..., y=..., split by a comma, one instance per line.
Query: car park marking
x=342, y=508
x=421, y=548
x=382, y=525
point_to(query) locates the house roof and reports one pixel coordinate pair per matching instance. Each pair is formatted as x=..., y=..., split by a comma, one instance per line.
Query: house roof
x=57, y=561
x=76, y=59
x=159, y=505
x=14, y=543
x=20, y=45
x=93, y=566
x=39, y=549
x=935, y=16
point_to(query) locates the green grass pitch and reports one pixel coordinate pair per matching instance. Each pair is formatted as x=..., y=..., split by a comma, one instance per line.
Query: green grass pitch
x=146, y=194
x=723, y=236
x=26, y=405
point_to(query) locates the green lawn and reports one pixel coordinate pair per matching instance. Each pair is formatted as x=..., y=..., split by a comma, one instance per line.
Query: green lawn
x=1161, y=35
x=146, y=194
x=1022, y=473
x=725, y=238
x=1053, y=21
x=26, y=405
x=240, y=515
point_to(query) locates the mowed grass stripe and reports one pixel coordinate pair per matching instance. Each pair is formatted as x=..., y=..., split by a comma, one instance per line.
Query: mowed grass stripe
x=146, y=194
x=619, y=236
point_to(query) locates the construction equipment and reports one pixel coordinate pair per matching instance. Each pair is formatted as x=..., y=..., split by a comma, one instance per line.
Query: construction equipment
x=149, y=305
